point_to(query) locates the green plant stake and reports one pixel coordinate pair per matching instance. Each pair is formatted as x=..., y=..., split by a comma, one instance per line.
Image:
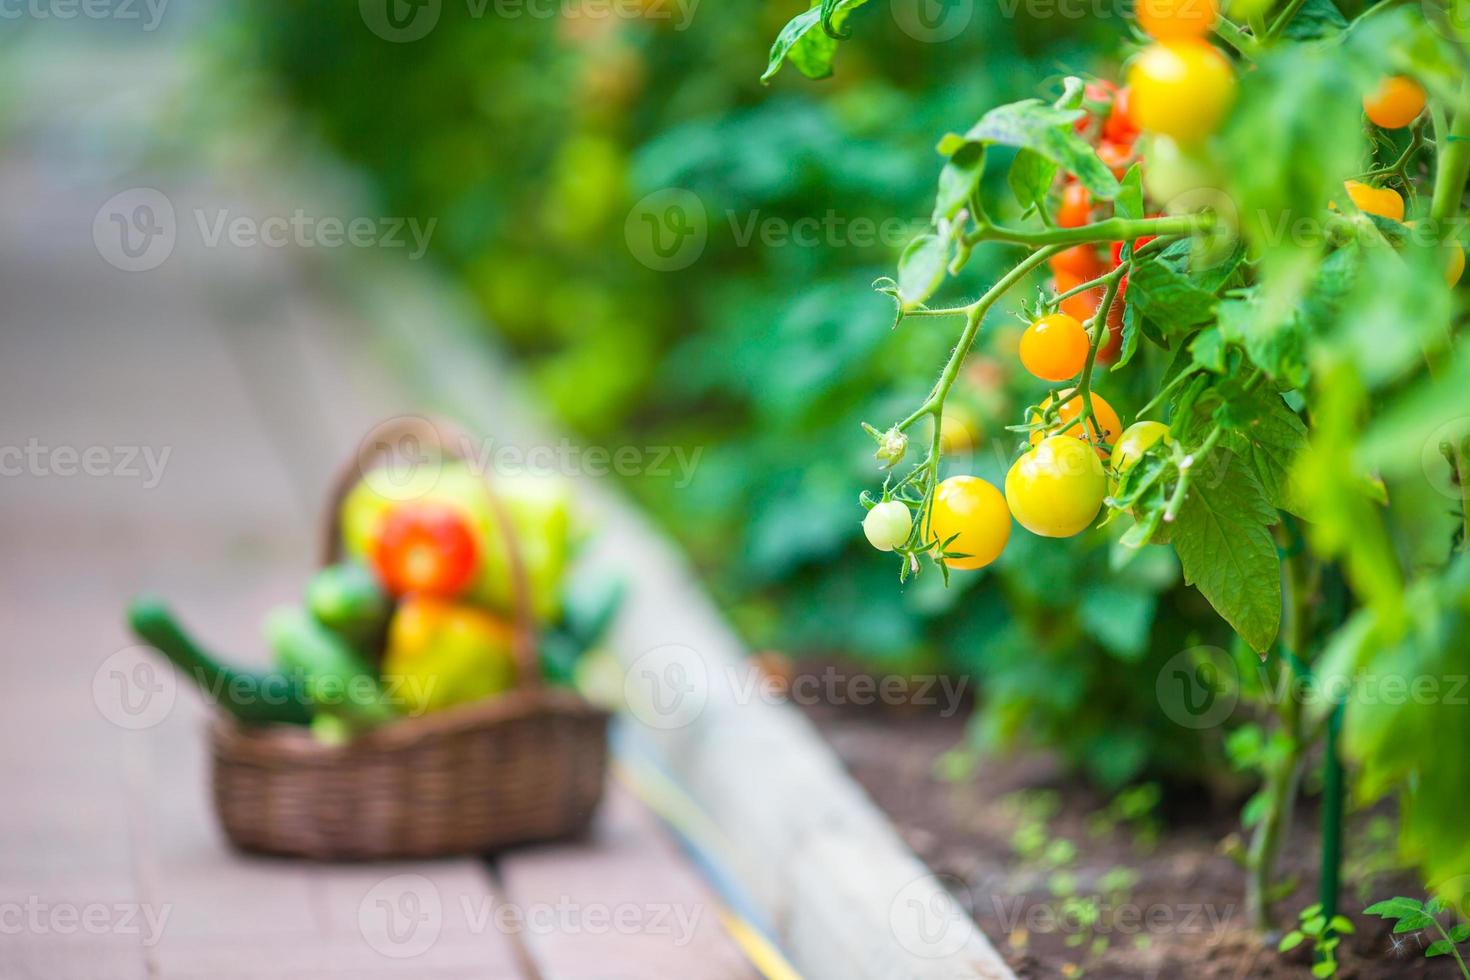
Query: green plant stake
x=1332, y=807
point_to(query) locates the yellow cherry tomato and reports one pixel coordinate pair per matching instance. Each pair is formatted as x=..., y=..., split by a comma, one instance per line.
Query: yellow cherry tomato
x=1454, y=266
x=1396, y=103
x=1054, y=348
x=1172, y=20
x=1103, y=415
x=974, y=513
x=1382, y=201
x=1136, y=440
x=1056, y=489
x=1182, y=89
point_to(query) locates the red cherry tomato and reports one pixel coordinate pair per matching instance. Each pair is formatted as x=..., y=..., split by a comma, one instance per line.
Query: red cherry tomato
x=425, y=549
x=1099, y=93
x=1080, y=261
x=1117, y=252
x=1115, y=156
x=1076, y=206
x=1120, y=127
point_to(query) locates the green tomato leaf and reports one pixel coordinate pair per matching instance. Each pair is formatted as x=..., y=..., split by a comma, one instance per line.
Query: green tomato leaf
x=1460, y=933
x=1269, y=444
x=1225, y=547
x=958, y=180
x=809, y=40
x=1208, y=348
x=1030, y=177
x=1129, y=202
x=1033, y=125
x=1167, y=296
x=1393, y=908
x=1131, y=330
x=1277, y=347
x=921, y=269
x=1291, y=940
x=1414, y=921
x=1315, y=19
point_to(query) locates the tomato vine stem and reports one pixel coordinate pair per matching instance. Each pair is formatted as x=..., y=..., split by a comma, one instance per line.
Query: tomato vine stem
x=1230, y=32
x=1107, y=230
x=1099, y=331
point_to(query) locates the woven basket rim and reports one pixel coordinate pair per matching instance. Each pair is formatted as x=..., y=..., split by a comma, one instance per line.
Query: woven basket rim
x=294, y=744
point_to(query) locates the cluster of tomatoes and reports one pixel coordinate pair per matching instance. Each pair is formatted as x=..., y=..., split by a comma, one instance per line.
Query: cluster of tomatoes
x=1179, y=90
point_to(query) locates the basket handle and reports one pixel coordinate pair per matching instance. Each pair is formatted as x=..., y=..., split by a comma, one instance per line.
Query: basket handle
x=448, y=438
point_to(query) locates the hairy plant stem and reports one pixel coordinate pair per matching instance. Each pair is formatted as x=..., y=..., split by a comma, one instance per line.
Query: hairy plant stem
x=934, y=404
x=1186, y=472
x=1107, y=230
x=1400, y=166
x=1231, y=34
x=1099, y=331
x=974, y=313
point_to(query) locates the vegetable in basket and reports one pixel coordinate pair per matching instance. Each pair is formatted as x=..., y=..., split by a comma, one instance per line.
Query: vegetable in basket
x=336, y=680
x=347, y=599
x=253, y=697
x=442, y=653
x=538, y=509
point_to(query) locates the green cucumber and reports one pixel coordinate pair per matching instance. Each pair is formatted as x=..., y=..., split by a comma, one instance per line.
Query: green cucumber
x=347, y=599
x=254, y=697
x=337, y=680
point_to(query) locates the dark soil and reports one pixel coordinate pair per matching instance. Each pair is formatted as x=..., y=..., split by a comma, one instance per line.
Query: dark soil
x=1185, y=915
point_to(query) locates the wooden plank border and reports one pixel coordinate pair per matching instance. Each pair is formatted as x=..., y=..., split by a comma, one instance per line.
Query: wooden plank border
x=842, y=894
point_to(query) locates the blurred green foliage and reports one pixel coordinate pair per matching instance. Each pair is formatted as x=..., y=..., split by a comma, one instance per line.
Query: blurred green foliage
x=530, y=139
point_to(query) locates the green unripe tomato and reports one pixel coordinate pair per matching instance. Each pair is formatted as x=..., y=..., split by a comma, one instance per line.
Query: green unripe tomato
x=888, y=525
x=1136, y=440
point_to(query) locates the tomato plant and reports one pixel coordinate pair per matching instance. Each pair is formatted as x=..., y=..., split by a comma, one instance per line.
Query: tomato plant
x=1302, y=443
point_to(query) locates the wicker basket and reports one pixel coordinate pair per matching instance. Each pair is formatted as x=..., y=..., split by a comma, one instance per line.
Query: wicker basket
x=523, y=766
